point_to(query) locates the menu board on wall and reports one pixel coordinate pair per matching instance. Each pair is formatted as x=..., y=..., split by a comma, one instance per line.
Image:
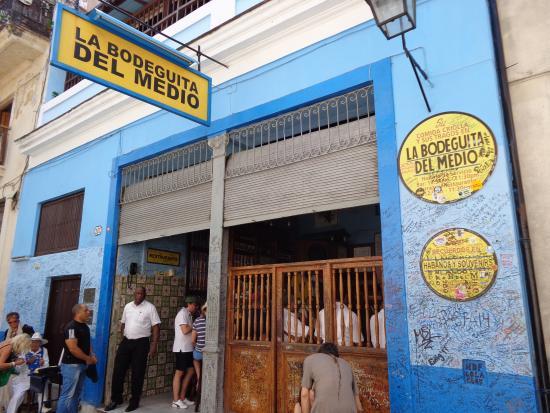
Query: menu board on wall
x=447, y=157
x=458, y=264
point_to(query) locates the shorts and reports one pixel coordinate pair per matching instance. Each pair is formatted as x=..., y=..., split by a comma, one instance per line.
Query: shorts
x=197, y=355
x=184, y=360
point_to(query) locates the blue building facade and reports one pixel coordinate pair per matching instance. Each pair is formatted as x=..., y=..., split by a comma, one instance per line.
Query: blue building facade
x=453, y=43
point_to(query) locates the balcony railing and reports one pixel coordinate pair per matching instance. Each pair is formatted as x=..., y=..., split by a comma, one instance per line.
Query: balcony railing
x=159, y=14
x=71, y=79
x=36, y=16
x=163, y=13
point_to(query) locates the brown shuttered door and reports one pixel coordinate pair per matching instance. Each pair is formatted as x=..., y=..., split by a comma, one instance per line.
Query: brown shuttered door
x=2, y=208
x=64, y=292
x=59, y=228
x=4, y=128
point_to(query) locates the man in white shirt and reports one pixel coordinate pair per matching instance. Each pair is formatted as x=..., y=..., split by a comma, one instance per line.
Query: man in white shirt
x=183, y=349
x=139, y=320
x=381, y=329
x=295, y=327
x=338, y=316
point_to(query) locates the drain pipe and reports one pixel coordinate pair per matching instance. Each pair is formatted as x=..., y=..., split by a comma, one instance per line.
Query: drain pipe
x=542, y=376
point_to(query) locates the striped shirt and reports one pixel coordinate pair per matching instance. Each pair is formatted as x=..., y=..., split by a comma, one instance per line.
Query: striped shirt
x=200, y=327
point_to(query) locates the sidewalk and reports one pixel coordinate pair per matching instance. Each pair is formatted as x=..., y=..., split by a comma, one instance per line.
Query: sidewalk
x=154, y=404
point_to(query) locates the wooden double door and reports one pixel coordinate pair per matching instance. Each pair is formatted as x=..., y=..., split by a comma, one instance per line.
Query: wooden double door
x=276, y=317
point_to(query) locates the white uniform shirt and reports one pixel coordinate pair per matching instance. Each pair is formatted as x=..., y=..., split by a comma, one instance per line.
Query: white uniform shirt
x=293, y=332
x=337, y=315
x=138, y=319
x=381, y=329
x=182, y=342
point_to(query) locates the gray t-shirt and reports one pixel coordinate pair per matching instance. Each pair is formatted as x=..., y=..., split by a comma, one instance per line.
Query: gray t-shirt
x=332, y=380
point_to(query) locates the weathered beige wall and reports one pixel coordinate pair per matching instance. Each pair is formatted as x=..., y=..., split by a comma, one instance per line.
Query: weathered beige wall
x=526, y=33
x=91, y=4
x=23, y=87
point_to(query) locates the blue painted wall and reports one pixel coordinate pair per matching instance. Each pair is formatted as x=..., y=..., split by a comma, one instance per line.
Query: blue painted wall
x=465, y=80
x=55, y=83
x=453, y=42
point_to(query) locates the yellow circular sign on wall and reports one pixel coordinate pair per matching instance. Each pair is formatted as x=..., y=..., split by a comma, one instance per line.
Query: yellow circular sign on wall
x=458, y=264
x=447, y=157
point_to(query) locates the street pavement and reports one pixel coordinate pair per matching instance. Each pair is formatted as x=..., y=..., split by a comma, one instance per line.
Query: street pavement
x=161, y=403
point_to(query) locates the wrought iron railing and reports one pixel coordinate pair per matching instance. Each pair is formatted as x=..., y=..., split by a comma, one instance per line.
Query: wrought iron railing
x=175, y=170
x=36, y=16
x=331, y=125
x=71, y=79
x=161, y=14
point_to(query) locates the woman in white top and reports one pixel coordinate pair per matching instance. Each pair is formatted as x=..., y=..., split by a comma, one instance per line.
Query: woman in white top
x=19, y=383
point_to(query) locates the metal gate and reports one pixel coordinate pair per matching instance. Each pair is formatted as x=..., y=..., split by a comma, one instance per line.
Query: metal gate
x=166, y=195
x=320, y=157
x=276, y=317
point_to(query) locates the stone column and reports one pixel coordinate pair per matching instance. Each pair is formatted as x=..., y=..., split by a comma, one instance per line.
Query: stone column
x=6, y=242
x=213, y=354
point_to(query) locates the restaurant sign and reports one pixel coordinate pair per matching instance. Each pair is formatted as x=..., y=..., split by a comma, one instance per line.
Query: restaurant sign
x=447, y=157
x=109, y=52
x=155, y=256
x=458, y=264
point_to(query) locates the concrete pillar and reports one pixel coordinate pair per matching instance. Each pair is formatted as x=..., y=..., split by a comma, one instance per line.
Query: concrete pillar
x=213, y=354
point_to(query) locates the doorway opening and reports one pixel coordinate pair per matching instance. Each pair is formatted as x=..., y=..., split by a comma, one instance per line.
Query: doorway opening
x=64, y=293
x=297, y=282
x=344, y=233
x=167, y=283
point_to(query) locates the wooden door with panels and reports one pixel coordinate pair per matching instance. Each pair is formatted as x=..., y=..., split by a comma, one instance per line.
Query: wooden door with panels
x=64, y=294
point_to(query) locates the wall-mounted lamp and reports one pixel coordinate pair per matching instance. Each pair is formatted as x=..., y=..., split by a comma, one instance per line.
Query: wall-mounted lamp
x=395, y=18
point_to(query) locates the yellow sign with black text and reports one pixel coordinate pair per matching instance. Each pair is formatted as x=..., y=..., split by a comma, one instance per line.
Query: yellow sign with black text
x=129, y=64
x=155, y=256
x=458, y=264
x=447, y=157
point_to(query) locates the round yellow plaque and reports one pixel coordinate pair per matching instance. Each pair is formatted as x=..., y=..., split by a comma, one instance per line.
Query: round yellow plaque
x=447, y=157
x=458, y=264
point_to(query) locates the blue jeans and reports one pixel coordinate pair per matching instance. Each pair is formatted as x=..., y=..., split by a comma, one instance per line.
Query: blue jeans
x=73, y=380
